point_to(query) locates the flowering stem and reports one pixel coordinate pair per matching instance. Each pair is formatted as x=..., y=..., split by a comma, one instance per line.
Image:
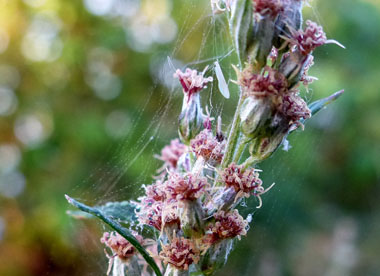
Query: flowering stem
x=250, y=161
x=242, y=145
x=233, y=136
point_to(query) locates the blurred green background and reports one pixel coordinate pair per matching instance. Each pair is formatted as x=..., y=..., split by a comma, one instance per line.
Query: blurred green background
x=87, y=98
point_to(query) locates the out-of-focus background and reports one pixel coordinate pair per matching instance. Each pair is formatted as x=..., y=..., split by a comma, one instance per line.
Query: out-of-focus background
x=87, y=98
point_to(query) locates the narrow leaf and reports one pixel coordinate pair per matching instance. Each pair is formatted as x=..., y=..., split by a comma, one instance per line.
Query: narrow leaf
x=118, y=228
x=123, y=211
x=222, y=84
x=319, y=104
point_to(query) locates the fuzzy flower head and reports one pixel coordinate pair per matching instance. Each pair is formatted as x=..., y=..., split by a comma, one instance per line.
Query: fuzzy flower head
x=154, y=193
x=294, y=107
x=180, y=253
x=192, y=82
x=205, y=144
x=227, y=225
x=244, y=182
x=310, y=38
x=159, y=215
x=120, y=246
x=270, y=8
x=270, y=82
x=170, y=154
x=185, y=187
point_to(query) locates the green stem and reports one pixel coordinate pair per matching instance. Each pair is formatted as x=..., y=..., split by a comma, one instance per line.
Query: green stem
x=250, y=162
x=242, y=143
x=233, y=136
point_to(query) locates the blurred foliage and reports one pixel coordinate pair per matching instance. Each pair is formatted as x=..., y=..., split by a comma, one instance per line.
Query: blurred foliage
x=87, y=99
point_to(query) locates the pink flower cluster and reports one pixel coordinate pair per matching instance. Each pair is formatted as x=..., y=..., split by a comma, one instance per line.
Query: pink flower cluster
x=294, y=107
x=155, y=210
x=244, y=182
x=187, y=186
x=227, y=225
x=205, y=144
x=309, y=39
x=192, y=82
x=270, y=82
x=170, y=154
x=269, y=8
x=120, y=246
x=180, y=253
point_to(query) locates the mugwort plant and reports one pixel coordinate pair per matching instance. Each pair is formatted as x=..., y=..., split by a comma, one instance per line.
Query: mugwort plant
x=188, y=220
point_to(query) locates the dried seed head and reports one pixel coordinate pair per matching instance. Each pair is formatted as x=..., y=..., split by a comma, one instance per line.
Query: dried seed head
x=119, y=245
x=180, y=253
x=269, y=82
x=192, y=82
x=185, y=187
x=205, y=144
x=170, y=154
x=227, y=225
x=243, y=181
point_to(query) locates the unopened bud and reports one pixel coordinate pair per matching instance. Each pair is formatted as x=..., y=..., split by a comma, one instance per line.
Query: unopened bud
x=192, y=219
x=269, y=137
x=216, y=257
x=293, y=67
x=266, y=13
x=261, y=47
x=241, y=26
x=290, y=19
x=191, y=118
x=254, y=114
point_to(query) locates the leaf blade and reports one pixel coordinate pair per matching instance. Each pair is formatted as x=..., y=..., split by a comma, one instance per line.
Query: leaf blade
x=321, y=103
x=118, y=228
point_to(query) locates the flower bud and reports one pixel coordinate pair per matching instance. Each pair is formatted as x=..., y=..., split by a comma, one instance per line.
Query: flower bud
x=180, y=253
x=191, y=118
x=265, y=14
x=254, y=113
x=215, y=257
x=289, y=19
x=293, y=67
x=192, y=219
x=269, y=137
x=261, y=47
x=241, y=26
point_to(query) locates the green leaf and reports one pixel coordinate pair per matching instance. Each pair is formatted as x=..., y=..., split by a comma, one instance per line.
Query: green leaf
x=118, y=228
x=123, y=211
x=319, y=104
